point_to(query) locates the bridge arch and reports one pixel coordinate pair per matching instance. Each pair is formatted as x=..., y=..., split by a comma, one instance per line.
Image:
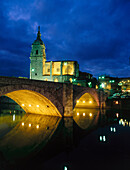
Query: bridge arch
x=33, y=99
x=87, y=97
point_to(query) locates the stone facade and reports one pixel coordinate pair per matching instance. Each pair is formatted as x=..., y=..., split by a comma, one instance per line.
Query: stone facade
x=57, y=71
x=61, y=97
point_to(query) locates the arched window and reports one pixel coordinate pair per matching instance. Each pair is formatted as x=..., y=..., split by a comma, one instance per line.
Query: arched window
x=36, y=51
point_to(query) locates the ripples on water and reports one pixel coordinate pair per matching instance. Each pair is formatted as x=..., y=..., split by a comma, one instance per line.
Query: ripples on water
x=90, y=140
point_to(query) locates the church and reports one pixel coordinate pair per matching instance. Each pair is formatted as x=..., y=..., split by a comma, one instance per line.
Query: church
x=57, y=71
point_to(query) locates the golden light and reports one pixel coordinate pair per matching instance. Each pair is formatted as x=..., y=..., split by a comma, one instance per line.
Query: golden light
x=23, y=105
x=29, y=105
x=90, y=114
x=117, y=114
x=37, y=126
x=77, y=101
x=29, y=125
x=117, y=102
x=83, y=101
x=83, y=114
x=22, y=123
x=37, y=105
x=90, y=101
x=77, y=114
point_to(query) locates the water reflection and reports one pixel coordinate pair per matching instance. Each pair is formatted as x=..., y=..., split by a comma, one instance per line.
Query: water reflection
x=31, y=133
x=86, y=118
x=8, y=121
x=35, y=139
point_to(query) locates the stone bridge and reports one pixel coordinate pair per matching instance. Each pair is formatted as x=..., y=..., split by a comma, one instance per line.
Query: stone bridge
x=49, y=98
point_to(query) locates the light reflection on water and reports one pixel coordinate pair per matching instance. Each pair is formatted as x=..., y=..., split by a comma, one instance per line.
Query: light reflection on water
x=39, y=138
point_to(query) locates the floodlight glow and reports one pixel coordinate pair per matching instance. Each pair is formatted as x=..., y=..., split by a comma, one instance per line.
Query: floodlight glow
x=83, y=101
x=83, y=114
x=90, y=114
x=37, y=105
x=29, y=105
x=23, y=105
x=117, y=102
x=22, y=123
x=117, y=114
x=29, y=125
x=77, y=114
x=37, y=126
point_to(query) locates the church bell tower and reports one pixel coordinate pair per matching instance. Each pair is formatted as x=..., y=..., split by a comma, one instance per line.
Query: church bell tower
x=37, y=58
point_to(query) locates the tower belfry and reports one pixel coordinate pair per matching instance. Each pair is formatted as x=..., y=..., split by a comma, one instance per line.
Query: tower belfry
x=37, y=58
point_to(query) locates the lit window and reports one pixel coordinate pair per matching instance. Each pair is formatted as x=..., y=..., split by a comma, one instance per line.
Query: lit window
x=29, y=105
x=77, y=114
x=32, y=69
x=83, y=114
x=29, y=125
x=37, y=105
x=23, y=105
x=83, y=101
x=22, y=123
x=90, y=101
x=77, y=101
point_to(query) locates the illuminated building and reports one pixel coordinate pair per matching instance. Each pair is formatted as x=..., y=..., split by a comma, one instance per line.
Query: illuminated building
x=57, y=71
x=114, y=84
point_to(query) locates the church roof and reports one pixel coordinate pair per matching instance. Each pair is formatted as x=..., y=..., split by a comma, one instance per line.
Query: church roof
x=38, y=41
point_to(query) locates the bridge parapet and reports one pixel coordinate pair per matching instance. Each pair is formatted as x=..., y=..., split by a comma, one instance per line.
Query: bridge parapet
x=62, y=95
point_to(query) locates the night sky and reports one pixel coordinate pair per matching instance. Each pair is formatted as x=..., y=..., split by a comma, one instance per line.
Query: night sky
x=96, y=33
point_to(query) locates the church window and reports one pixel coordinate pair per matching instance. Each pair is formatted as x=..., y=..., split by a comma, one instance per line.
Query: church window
x=48, y=70
x=36, y=51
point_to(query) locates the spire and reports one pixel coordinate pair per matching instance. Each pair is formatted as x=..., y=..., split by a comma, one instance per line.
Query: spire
x=38, y=34
x=38, y=40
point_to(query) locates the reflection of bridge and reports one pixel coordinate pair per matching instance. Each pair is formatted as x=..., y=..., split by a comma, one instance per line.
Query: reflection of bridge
x=48, y=98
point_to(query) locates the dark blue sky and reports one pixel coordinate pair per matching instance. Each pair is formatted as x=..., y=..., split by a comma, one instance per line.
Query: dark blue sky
x=96, y=33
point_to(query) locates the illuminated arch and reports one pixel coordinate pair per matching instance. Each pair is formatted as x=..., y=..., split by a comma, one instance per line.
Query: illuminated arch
x=87, y=98
x=33, y=99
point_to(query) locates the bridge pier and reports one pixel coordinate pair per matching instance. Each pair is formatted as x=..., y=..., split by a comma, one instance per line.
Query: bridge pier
x=68, y=99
